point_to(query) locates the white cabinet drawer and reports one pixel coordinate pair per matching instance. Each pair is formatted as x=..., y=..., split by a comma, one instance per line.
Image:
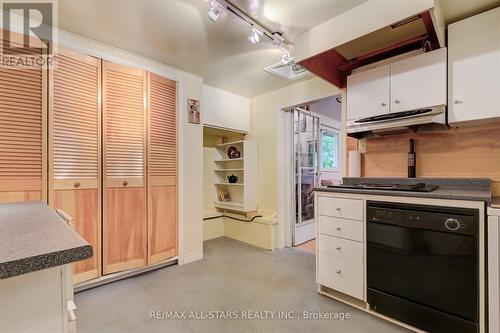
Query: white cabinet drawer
x=340, y=247
x=347, y=229
x=340, y=274
x=339, y=207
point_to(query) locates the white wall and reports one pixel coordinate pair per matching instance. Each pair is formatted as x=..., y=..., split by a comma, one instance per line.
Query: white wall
x=190, y=140
x=224, y=109
x=267, y=129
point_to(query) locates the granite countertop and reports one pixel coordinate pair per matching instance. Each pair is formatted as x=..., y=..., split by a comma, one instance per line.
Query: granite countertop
x=472, y=189
x=33, y=237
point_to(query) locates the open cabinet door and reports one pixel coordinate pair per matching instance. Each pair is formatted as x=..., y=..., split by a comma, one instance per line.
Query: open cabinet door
x=23, y=123
x=124, y=142
x=162, y=171
x=75, y=150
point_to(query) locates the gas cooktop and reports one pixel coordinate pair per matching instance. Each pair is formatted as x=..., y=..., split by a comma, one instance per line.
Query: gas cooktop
x=420, y=187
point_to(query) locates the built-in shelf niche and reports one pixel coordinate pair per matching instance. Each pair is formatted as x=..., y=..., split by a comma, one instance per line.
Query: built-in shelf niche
x=244, y=192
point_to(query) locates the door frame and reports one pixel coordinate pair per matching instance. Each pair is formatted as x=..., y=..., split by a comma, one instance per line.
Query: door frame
x=285, y=163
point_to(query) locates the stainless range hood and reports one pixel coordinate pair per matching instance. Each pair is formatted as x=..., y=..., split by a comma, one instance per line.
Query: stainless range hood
x=422, y=120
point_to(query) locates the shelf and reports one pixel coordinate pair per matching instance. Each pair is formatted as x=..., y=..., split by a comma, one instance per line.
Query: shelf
x=224, y=170
x=227, y=144
x=229, y=160
x=229, y=184
x=229, y=205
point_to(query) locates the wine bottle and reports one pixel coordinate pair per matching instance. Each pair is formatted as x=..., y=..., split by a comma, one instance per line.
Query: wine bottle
x=412, y=160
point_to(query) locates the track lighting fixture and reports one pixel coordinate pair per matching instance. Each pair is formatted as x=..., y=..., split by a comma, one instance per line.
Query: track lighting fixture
x=214, y=10
x=216, y=7
x=255, y=35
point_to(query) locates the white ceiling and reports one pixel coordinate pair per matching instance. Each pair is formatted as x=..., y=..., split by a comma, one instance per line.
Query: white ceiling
x=179, y=33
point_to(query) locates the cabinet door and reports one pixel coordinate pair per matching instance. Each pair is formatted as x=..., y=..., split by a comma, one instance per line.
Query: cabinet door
x=419, y=82
x=368, y=93
x=162, y=161
x=474, y=68
x=124, y=224
x=74, y=150
x=23, y=135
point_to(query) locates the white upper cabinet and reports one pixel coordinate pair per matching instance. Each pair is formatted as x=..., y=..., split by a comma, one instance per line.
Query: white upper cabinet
x=474, y=68
x=419, y=82
x=368, y=93
x=410, y=84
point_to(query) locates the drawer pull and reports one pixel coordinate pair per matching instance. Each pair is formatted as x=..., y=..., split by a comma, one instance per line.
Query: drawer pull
x=338, y=209
x=339, y=228
x=77, y=184
x=338, y=271
x=125, y=183
x=339, y=248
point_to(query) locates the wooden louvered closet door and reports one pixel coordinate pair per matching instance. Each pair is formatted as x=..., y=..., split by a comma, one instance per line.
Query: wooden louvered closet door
x=162, y=170
x=75, y=150
x=124, y=138
x=23, y=153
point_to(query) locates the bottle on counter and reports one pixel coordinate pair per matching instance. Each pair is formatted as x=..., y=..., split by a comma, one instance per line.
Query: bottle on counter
x=412, y=160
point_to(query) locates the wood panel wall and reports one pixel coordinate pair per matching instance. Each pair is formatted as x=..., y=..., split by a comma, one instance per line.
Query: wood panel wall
x=460, y=153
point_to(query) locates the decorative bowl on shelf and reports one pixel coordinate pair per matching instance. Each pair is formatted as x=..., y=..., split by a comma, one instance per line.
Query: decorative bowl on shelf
x=233, y=152
x=232, y=179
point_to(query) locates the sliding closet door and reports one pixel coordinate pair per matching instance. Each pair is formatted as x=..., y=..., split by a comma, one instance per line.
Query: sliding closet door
x=162, y=171
x=23, y=135
x=124, y=136
x=75, y=150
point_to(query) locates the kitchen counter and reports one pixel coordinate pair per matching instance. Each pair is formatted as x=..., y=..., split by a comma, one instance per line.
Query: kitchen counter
x=471, y=189
x=33, y=237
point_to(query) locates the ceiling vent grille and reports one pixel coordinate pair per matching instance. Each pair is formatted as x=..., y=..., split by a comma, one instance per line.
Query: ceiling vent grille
x=290, y=71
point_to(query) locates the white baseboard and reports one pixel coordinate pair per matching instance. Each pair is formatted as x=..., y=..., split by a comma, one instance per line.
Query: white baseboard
x=189, y=258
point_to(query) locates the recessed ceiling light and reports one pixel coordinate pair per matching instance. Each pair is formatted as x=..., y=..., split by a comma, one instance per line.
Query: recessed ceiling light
x=255, y=35
x=214, y=10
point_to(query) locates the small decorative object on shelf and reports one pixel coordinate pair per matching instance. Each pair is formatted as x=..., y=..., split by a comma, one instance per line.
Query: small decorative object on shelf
x=224, y=195
x=233, y=152
x=232, y=179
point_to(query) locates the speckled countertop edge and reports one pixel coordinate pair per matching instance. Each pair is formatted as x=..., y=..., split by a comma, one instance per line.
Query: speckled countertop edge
x=44, y=261
x=33, y=237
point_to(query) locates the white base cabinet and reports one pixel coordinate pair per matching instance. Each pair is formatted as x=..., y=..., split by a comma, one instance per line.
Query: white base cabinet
x=474, y=68
x=340, y=245
x=37, y=302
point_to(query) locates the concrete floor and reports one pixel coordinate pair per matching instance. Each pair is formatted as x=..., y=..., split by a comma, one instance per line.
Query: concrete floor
x=232, y=277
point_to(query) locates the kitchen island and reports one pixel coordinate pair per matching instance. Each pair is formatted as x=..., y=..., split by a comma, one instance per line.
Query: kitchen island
x=37, y=247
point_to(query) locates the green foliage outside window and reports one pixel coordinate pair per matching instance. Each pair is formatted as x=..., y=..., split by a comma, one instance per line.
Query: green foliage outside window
x=329, y=150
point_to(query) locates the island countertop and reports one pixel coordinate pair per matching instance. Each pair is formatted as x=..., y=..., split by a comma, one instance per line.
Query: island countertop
x=34, y=237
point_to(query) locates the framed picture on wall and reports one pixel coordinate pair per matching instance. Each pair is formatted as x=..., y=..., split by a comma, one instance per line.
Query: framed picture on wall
x=193, y=111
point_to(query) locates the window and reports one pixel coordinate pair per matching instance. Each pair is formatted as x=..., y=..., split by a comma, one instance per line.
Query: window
x=329, y=150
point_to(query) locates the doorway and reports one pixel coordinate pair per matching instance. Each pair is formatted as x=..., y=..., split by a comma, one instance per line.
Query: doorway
x=315, y=155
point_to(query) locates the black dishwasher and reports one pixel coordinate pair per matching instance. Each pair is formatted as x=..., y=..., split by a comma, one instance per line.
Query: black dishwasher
x=423, y=265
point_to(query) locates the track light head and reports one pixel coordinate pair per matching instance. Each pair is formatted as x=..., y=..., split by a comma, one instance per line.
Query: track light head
x=214, y=10
x=255, y=35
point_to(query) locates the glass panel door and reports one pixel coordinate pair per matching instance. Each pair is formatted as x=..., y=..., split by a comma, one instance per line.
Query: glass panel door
x=305, y=143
